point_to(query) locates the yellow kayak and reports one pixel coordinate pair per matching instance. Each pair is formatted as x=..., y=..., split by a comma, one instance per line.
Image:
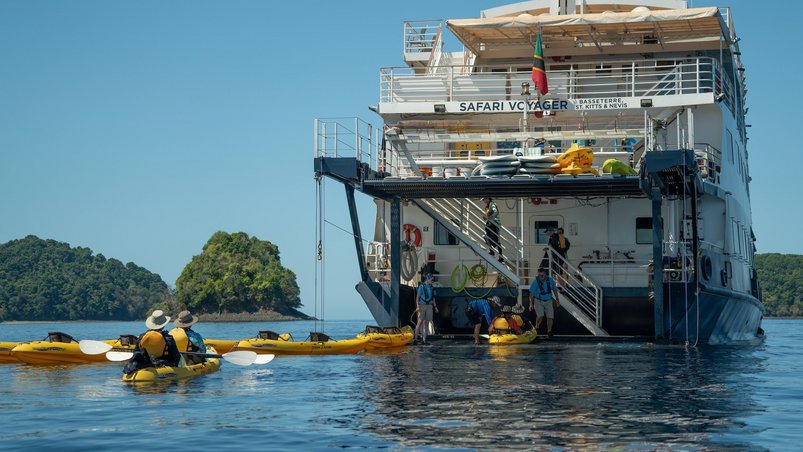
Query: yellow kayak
x=380, y=338
x=222, y=346
x=512, y=339
x=6, y=356
x=61, y=348
x=169, y=373
x=284, y=345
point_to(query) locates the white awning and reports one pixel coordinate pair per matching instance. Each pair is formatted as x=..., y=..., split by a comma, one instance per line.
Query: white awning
x=672, y=24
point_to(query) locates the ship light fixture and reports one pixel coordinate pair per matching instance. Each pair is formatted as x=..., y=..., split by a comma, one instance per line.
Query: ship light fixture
x=646, y=103
x=440, y=108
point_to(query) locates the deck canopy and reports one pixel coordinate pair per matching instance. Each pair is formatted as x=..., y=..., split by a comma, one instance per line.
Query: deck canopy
x=600, y=29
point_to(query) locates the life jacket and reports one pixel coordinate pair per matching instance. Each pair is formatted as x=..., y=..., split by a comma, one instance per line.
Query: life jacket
x=160, y=347
x=501, y=324
x=428, y=294
x=182, y=341
x=506, y=325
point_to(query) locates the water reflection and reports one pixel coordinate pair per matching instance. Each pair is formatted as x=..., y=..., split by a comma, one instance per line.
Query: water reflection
x=579, y=396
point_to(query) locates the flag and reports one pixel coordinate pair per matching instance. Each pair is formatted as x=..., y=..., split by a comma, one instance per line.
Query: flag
x=539, y=69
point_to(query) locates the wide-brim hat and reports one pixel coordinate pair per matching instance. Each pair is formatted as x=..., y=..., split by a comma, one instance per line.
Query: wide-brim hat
x=429, y=276
x=185, y=319
x=496, y=300
x=157, y=320
x=518, y=309
x=506, y=309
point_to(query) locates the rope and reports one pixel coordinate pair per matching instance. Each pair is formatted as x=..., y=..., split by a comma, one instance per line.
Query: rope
x=459, y=271
x=477, y=273
x=409, y=263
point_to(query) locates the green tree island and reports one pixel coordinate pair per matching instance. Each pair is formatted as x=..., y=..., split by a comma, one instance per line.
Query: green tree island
x=237, y=273
x=49, y=280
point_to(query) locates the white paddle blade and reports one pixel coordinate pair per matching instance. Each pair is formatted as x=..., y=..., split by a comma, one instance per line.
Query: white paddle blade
x=264, y=359
x=91, y=347
x=240, y=358
x=485, y=336
x=119, y=356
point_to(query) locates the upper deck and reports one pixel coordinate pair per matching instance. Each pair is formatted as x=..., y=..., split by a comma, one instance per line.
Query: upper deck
x=604, y=60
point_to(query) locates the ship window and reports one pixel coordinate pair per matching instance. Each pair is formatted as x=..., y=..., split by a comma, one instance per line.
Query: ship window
x=540, y=230
x=729, y=143
x=443, y=236
x=644, y=230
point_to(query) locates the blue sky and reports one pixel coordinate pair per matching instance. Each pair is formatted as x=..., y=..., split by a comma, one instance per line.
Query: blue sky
x=138, y=129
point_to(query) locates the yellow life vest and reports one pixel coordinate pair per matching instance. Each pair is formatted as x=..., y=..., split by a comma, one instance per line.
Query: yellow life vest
x=182, y=341
x=500, y=323
x=153, y=343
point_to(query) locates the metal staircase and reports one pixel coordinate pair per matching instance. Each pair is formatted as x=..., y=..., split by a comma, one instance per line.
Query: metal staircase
x=579, y=295
x=464, y=219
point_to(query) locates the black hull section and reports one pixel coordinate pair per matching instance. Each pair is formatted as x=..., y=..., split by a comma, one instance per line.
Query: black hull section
x=722, y=316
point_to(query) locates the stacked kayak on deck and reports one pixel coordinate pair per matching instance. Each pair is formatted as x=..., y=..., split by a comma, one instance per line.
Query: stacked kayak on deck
x=512, y=339
x=318, y=344
x=170, y=373
x=382, y=338
x=61, y=348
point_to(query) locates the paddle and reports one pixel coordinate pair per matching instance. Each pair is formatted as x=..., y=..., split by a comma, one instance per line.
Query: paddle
x=91, y=347
x=240, y=358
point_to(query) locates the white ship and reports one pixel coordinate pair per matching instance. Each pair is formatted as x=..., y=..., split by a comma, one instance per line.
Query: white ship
x=638, y=150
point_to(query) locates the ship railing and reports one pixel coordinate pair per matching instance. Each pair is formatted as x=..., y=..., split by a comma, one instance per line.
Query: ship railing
x=709, y=161
x=421, y=37
x=352, y=137
x=604, y=79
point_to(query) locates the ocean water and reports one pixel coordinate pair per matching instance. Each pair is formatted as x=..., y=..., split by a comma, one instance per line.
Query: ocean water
x=552, y=395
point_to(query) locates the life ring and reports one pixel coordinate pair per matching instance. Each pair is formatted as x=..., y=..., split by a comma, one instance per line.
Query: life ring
x=412, y=230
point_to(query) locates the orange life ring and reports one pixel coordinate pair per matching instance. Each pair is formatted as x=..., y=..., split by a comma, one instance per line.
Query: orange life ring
x=411, y=229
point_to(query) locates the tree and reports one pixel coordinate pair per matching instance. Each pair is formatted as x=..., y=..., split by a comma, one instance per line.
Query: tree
x=781, y=279
x=49, y=280
x=237, y=273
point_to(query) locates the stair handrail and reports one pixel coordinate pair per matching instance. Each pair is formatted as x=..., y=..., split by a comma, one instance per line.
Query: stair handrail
x=472, y=223
x=581, y=288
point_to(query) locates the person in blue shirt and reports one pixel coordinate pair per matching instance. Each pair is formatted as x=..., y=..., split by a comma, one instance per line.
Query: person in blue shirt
x=187, y=339
x=424, y=307
x=543, y=294
x=481, y=309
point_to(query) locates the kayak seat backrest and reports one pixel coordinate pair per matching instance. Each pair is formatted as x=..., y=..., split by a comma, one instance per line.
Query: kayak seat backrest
x=268, y=335
x=128, y=340
x=56, y=336
x=318, y=337
x=391, y=330
x=373, y=329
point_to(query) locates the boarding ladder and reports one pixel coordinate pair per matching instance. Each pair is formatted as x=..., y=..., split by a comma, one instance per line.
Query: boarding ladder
x=579, y=295
x=464, y=219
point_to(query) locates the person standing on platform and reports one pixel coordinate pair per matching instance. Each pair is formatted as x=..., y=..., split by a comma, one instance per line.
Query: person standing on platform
x=560, y=244
x=492, y=223
x=424, y=307
x=543, y=295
